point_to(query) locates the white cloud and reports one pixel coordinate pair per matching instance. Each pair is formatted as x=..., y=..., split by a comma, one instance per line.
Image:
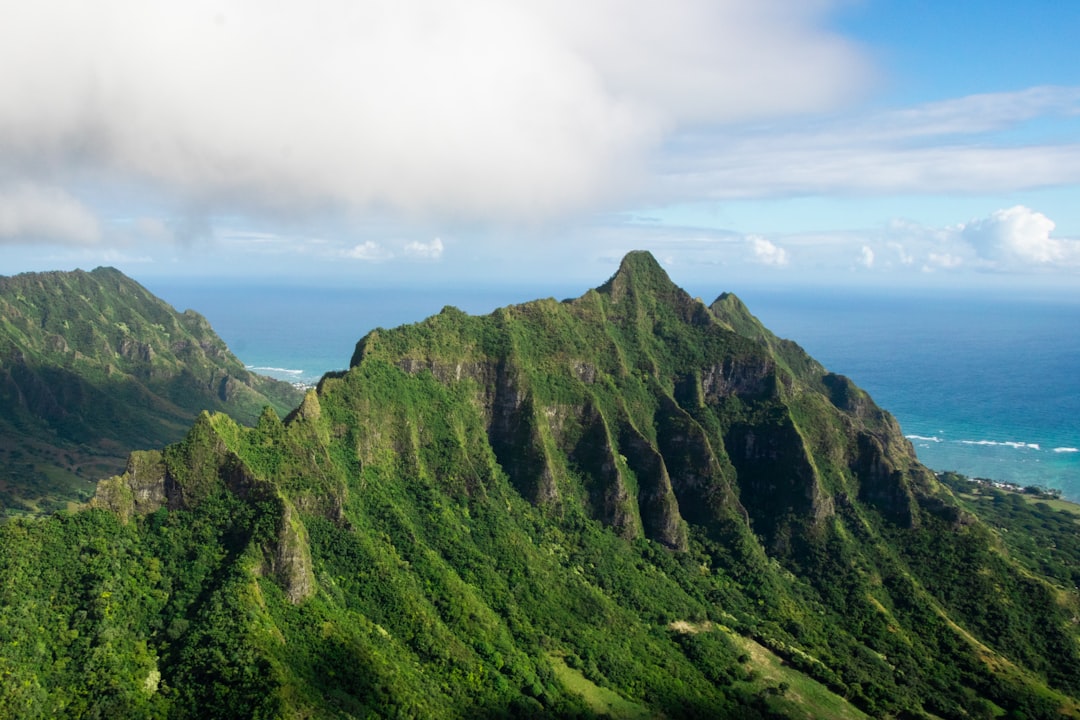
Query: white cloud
x=766, y=252
x=368, y=250
x=1016, y=239
x=463, y=109
x=425, y=251
x=942, y=261
x=153, y=229
x=957, y=146
x=1019, y=237
x=33, y=213
x=866, y=256
x=902, y=255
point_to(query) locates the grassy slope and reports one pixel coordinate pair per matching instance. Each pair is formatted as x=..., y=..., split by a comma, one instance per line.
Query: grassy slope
x=93, y=366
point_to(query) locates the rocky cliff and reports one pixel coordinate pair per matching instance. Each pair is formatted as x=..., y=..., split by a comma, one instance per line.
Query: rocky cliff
x=629, y=503
x=652, y=409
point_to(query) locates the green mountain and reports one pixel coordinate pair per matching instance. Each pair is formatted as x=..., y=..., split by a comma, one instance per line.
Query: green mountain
x=628, y=504
x=93, y=366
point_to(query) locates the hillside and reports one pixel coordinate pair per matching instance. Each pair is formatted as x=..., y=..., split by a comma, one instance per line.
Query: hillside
x=93, y=366
x=627, y=504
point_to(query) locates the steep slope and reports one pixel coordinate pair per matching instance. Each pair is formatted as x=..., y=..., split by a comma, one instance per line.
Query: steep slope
x=638, y=369
x=92, y=366
x=629, y=502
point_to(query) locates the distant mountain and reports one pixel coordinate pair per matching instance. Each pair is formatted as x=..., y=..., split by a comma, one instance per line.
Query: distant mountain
x=93, y=366
x=629, y=504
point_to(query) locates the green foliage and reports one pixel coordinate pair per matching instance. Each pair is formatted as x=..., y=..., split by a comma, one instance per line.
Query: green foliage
x=626, y=504
x=93, y=366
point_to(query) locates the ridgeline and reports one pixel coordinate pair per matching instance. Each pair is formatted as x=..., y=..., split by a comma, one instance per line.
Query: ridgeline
x=628, y=504
x=93, y=366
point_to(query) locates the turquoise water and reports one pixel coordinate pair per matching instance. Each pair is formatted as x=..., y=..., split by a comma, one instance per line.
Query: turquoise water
x=986, y=386
x=989, y=387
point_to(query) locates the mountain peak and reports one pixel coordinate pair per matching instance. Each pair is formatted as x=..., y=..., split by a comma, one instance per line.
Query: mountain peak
x=639, y=261
x=638, y=272
x=477, y=495
x=640, y=264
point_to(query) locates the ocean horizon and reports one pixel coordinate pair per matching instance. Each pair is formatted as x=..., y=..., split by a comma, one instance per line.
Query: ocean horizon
x=981, y=385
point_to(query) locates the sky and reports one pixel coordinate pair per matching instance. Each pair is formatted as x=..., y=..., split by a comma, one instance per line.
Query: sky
x=395, y=143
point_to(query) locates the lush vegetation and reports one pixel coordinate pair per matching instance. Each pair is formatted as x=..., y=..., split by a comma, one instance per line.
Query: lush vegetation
x=93, y=366
x=629, y=504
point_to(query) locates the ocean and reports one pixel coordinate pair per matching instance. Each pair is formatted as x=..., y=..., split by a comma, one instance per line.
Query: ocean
x=986, y=386
x=983, y=385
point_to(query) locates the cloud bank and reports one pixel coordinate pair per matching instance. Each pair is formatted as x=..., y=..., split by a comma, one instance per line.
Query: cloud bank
x=460, y=109
x=33, y=212
x=425, y=251
x=963, y=145
x=1011, y=240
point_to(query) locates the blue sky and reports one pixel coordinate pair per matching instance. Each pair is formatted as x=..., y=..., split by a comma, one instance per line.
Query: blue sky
x=845, y=142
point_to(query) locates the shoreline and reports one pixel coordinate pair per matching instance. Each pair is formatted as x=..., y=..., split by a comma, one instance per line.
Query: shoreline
x=1032, y=493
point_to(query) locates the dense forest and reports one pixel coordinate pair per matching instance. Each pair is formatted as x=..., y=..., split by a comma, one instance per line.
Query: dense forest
x=629, y=504
x=92, y=366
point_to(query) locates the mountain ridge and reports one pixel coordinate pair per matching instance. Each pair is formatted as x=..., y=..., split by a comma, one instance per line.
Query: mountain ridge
x=92, y=365
x=614, y=496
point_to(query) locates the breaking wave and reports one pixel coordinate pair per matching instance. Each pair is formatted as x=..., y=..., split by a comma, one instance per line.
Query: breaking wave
x=990, y=443
x=1004, y=443
x=275, y=369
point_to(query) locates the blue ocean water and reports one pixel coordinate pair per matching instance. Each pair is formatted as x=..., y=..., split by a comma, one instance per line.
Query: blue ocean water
x=987, y=386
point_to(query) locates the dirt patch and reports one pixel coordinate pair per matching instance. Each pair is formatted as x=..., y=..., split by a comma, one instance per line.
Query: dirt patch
x=689, y=628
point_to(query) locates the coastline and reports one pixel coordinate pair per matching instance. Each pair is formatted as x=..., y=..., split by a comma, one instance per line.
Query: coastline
x=980, y=487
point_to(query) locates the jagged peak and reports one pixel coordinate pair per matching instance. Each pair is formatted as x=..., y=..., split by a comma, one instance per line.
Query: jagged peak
x=107, y=271
x=640, y=261
x=642, y=282
x=730, y=298
x=638, y=271
x=309, y=408
x=732, y=311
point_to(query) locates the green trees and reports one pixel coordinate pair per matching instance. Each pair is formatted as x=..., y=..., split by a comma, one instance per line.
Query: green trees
x=93, y=366
x=616, y=504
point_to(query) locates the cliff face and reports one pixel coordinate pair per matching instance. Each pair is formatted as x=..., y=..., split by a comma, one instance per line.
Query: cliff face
x=92, y=366
x=653, y=409
x=635, y=404
x=201, y=466
x=629, y=489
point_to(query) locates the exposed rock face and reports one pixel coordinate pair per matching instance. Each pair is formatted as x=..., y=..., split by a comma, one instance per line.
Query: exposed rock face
x=564, y=392
x=777, y=478
x=291, y=563
x=635, y=400
x=463, y=493
x=657, y=503
x=592, y=456
x=190, y=472
x=734, y=377
x=884, y=484
x=140, y=490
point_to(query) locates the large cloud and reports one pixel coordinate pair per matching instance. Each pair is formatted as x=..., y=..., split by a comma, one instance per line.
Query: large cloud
x=1019, y=238
x=469, y=109
x=32, y=212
